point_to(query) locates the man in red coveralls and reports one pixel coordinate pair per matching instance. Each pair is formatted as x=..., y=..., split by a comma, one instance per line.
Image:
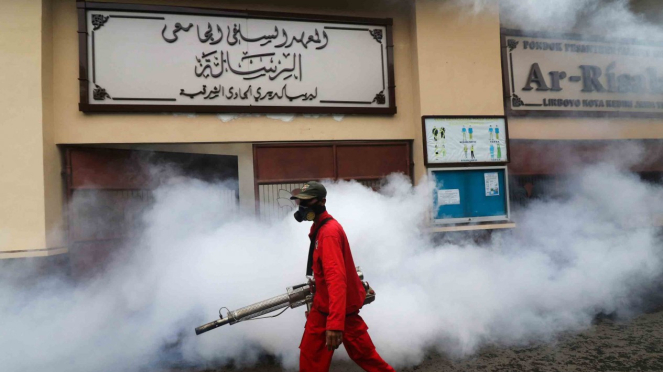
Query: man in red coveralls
x=334, y=317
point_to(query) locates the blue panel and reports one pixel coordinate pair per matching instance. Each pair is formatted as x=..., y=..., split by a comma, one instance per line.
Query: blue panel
x=482, y=205
x=471, y=186
x=449, y=181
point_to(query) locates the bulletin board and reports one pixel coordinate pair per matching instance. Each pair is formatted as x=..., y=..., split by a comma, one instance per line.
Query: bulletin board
x=476, y=194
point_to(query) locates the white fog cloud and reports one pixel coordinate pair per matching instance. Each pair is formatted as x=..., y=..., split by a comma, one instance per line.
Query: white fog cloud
x=567, y=260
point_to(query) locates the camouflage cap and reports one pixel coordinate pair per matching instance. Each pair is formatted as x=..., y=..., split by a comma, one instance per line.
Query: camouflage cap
x=311, y=190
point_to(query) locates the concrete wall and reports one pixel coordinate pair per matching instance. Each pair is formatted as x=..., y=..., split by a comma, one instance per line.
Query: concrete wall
x=22, y=212
x=53, y=186
x=459, y=60
x=457, y=64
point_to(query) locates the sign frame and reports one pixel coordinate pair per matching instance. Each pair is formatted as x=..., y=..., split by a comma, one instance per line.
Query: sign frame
x=427, y=164
x=506, y=82
x=465, y=220
x=84, y=84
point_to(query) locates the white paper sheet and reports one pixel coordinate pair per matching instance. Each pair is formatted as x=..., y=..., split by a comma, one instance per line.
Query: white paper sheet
x=492, y=184
x=448, y=197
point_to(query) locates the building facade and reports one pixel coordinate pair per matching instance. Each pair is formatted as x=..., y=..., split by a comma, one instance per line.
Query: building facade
x=446, y=61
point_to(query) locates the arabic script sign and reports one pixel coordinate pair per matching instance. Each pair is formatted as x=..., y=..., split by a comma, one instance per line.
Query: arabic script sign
x=141, y=59
x=557, y=75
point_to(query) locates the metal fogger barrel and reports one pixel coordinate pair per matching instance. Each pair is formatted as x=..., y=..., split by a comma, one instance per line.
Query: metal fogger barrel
x=294, y=297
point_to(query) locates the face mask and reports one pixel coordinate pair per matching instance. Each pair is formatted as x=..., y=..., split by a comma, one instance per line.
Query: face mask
x=308, y=213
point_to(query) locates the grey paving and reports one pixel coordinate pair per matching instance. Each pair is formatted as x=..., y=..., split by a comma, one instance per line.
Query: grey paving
x=608, y=346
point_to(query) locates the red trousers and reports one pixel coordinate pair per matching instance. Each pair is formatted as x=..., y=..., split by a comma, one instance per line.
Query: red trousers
x=314, y=356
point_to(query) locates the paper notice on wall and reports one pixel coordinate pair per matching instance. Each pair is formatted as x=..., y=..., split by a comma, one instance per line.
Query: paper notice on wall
x=492, y=184
x=448, y=197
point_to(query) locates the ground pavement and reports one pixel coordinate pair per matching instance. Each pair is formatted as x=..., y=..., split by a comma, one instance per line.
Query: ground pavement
x=607, y=346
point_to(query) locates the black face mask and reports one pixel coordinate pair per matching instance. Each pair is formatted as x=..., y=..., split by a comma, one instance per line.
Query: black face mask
x=308, y=213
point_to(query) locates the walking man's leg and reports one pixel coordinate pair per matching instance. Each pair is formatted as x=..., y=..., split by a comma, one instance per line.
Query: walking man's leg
x=313, y=353
x=360, y=347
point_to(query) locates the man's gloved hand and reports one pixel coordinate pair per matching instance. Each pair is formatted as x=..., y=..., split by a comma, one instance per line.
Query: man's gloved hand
x=334, y=339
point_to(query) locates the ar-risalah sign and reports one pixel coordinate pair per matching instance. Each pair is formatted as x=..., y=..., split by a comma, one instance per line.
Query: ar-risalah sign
x=152, y=58
x=557, y=75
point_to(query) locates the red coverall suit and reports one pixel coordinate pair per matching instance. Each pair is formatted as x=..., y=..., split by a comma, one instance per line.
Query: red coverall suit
x=338, y=298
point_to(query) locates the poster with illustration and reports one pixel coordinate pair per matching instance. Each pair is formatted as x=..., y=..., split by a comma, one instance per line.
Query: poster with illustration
x=492, y=184
x=465, y=140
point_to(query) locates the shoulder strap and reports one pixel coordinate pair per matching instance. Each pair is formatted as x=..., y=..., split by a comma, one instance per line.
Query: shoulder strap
x=311, y=248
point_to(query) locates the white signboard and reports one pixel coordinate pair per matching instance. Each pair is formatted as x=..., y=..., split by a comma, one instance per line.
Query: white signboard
x=448, y=197
x=222, y=62
x=561, y=75
x=465, y=140
x=492, y=184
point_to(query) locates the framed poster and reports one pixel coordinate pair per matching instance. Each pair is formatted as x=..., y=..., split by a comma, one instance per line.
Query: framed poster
x=465, y=140
x=149, y=58
x=476, y=194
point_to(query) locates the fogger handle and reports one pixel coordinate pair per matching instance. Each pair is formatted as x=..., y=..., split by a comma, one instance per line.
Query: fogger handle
x=211, y=325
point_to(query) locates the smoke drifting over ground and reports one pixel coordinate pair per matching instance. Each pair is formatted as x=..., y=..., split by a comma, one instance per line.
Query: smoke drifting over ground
x=569, y=259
